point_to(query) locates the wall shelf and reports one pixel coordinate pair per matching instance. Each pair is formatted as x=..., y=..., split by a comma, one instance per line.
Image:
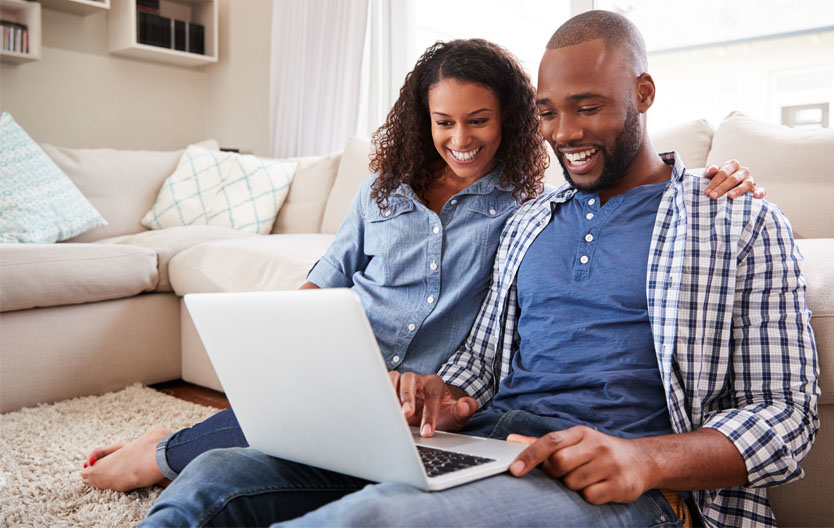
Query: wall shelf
x=28, y=14
x=122, y=38
x=77, y=7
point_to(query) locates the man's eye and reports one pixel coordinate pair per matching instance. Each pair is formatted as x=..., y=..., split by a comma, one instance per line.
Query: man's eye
x=547, y=115
x=588, y=109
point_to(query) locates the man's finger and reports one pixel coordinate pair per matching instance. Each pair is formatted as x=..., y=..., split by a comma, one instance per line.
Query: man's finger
x=543, y=448
x=434, y=388
x=408, y=393
x=464, y=409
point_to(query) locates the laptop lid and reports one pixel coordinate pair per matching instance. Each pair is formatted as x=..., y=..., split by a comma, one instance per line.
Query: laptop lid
x=304, y=373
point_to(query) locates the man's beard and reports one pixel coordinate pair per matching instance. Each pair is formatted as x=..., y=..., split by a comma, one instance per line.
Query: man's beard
x=616, y=163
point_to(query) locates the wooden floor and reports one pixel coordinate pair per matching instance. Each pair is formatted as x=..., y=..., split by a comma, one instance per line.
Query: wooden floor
x=193, y=393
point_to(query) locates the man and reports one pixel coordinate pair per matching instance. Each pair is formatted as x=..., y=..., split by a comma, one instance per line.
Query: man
x=695, y=372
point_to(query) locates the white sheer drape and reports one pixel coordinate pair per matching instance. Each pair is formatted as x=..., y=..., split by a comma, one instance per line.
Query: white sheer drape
x=315, y=74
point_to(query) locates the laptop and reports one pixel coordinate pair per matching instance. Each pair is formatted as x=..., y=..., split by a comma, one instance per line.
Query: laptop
x=303, y=372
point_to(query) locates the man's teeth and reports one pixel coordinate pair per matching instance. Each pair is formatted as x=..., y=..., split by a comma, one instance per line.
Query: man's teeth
x=578, y=157
x=465, y=156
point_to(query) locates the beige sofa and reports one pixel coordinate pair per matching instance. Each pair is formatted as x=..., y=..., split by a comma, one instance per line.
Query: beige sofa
x=103, y=310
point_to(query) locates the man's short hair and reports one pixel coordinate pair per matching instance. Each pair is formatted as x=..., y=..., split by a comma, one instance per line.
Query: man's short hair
x=616, y=32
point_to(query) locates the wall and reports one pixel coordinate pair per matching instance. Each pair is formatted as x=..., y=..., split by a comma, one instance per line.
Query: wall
x=78, y=95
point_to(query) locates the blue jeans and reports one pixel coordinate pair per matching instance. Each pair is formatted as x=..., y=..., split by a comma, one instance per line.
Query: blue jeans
x=177, y=450
x=243, y=487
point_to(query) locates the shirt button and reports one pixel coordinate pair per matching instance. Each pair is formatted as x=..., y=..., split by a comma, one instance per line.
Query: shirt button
x=411, y=327
x=395, y=359
x=436, y=230
x=454, y=202
x=433, y=265
x=592, y=201
x=589, y=216
x=430, y=299
x=387, y=212
x=492, y=211
x=589, y=237
x=583, y=259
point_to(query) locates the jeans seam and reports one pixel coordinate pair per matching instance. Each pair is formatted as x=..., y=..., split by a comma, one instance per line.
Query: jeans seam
x=224, y=501
x=177, y=443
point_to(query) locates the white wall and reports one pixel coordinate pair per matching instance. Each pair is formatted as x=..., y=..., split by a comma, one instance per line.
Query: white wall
x=78, y=95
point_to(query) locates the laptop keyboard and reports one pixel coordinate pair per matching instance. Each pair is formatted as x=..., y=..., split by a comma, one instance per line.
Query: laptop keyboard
x=439, y=462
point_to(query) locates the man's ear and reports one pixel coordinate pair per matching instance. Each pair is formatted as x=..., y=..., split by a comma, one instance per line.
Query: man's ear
x=645, y=92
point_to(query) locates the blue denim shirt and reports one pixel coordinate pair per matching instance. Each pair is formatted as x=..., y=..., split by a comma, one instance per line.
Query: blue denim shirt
x=421, y=277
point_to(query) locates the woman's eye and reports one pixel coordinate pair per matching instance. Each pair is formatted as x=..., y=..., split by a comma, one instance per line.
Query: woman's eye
x=478, y=122
x=443, y=123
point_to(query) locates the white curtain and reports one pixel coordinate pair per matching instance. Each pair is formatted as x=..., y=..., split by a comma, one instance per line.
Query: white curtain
x=315, y=74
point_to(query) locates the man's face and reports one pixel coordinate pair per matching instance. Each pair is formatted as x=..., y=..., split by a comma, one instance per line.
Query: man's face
x=585, y=99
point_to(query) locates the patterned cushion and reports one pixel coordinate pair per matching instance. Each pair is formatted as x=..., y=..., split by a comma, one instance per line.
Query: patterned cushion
x=217, y=188
x=38, y=202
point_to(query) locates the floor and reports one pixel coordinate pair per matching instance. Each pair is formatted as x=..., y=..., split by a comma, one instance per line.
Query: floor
x=193, y=393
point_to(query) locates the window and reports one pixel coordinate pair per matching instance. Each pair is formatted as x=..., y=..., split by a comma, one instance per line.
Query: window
x=711, y=57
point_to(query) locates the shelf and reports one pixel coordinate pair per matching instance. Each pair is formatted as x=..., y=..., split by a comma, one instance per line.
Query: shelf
x=28, y=14
x=122, y=31
x=77, y=7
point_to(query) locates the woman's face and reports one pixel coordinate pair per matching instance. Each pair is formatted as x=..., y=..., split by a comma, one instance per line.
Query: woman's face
x=465, y=126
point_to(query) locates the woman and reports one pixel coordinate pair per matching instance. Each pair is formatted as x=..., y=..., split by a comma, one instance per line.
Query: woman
x=458, y=153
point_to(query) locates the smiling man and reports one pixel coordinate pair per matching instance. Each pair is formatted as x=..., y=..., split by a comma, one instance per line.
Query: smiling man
x=651, y=345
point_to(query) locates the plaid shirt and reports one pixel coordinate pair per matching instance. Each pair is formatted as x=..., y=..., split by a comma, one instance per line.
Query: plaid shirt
x=732, y=332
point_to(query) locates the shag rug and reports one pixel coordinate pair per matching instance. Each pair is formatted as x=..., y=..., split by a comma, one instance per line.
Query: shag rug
x=42, y=451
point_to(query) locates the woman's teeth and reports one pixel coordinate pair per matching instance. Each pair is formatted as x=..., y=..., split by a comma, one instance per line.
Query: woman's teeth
x=465, y=156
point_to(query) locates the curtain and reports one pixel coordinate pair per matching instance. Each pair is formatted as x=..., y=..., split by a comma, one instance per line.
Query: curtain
x=315, y=74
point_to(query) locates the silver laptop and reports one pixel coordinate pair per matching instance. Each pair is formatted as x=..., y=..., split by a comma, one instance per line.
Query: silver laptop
x=305, y=377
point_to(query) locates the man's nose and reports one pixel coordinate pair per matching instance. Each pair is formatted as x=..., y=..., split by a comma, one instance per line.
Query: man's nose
x=567, y=131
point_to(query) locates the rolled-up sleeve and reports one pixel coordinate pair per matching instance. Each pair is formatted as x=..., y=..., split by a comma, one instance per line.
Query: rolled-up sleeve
x=346, y=255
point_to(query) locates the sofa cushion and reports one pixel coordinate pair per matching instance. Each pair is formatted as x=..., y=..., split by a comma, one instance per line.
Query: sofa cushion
x=39, y=203
x=211, y=187
x=33, y=275
x=168, y=242
x=794, y=165
x=273, y=262
x=819, y=279
x=353, y=170
x=303, y=209
x=692, y=140
x=121, y=184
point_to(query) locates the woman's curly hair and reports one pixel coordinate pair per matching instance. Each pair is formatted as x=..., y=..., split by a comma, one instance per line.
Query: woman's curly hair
x=404, y=151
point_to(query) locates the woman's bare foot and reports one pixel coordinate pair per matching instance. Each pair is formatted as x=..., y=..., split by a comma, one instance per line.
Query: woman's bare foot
x=124, y=467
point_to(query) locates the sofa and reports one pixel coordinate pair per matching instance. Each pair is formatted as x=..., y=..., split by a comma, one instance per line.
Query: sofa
x=104, y=309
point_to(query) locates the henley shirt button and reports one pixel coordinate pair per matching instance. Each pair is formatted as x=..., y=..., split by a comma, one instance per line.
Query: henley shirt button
x=411, y=327
x=387, y=212
x=492, y=211
x=592, y=201
x=430, y=299
x=433, y=265
x=589, y=237
x=395, y=359
x=589, y=216
x=583, y=259
x=436, y=229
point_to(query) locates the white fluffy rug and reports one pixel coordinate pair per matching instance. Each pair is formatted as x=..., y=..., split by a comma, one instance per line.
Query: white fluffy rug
x=42, y=450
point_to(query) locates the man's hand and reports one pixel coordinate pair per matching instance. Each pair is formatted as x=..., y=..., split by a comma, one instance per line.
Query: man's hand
x=732, y=179
x=600, y=467
x=429, y=403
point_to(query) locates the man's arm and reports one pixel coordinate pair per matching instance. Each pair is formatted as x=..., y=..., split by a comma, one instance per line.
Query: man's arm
x=604, y=468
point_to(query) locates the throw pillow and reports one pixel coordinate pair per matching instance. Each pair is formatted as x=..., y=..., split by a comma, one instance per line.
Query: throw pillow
x=38, y=202
x=217, y=188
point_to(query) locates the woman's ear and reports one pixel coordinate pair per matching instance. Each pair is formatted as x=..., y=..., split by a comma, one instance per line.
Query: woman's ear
x=645, y=92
